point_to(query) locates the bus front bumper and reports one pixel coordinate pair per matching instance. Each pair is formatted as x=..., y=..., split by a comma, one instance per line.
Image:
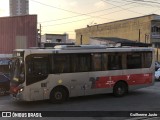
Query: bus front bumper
x=17, y=97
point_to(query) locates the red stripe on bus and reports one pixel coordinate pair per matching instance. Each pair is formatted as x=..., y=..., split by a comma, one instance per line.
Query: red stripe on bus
x=133, y=79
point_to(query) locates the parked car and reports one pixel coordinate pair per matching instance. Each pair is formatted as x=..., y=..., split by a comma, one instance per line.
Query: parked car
x=4, y=84
x=157, y=74
x=157, y=65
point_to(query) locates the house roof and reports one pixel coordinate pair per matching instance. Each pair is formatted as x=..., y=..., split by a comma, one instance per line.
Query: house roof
x=124, y=42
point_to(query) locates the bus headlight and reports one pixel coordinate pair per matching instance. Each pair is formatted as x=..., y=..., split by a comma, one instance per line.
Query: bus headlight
x=21, y=89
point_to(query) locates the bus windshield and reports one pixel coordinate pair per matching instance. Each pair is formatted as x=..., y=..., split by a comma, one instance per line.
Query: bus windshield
x=17, y=70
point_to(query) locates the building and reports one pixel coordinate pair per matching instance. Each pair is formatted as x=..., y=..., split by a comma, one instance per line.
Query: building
x=19, y=7
x=17, y=32
x=145, y=29
x=52, y=38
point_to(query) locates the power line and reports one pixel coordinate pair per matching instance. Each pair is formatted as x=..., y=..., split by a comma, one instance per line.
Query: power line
x=84, y=19
x=121, y=7
x=87, y=13
x=80, y=14
x=55, y=7
x=119, y=11
x=87, y=18
x=76, y=16
x=147, y=1
x=95, y=12
x=144, y=3
x=67, y=22
x=131, y=2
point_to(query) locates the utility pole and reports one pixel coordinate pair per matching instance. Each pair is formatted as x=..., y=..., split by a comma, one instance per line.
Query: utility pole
x=40, y=30
x=81, y=40
x=39, y=36
x=139, y=35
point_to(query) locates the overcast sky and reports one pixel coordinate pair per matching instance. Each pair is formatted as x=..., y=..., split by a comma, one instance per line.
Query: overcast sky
x=64, y=16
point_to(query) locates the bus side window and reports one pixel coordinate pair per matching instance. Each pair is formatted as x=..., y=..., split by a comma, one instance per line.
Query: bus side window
x=114, y=62
x=74, y=63
x=84, y=62
x=80, y=62
x=147, y=59
x=61, y=63
x=38, y=68
x=104, y=61
x=134, y=60
x=29, y=65
x=96, y=62
x=38, y=65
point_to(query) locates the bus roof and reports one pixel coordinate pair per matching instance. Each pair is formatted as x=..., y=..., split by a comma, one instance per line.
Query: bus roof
x=84, y=49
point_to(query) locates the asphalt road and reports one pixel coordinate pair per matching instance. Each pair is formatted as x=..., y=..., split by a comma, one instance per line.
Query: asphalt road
x=146, y=99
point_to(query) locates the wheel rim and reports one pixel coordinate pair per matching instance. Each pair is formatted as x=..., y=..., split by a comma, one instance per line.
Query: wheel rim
x=120, y=90
x=58, y=95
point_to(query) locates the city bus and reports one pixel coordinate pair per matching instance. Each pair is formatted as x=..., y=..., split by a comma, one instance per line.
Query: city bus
x=65, y=71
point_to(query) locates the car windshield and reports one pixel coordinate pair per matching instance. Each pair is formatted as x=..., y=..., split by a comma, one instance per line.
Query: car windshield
x=3, y=78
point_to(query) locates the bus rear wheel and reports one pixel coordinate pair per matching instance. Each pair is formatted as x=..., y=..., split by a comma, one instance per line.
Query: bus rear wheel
x=58, y=95
x=120, y=89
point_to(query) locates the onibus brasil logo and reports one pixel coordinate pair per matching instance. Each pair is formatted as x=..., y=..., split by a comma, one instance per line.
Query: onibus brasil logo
x=21, y=114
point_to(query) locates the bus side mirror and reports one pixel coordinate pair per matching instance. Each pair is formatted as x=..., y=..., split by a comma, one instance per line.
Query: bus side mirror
x=21, y=77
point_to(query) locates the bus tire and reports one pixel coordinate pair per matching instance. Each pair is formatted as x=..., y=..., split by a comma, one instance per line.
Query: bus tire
x=120, y=89
x=58, y=95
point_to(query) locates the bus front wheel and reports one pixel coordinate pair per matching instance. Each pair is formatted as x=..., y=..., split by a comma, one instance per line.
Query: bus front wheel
x=58, y=95
x=120, y=89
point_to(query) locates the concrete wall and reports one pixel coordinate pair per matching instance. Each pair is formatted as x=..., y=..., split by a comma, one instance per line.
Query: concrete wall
x=136, y=29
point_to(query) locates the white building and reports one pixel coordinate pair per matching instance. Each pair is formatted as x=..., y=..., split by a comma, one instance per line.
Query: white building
x=19, y=7
x=51, y=38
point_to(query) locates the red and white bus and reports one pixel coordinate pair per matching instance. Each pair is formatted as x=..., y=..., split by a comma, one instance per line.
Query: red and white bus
x=70, y=71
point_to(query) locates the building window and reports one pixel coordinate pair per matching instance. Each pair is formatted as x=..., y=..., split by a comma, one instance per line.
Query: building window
x=58, y=40
x=156, y=29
